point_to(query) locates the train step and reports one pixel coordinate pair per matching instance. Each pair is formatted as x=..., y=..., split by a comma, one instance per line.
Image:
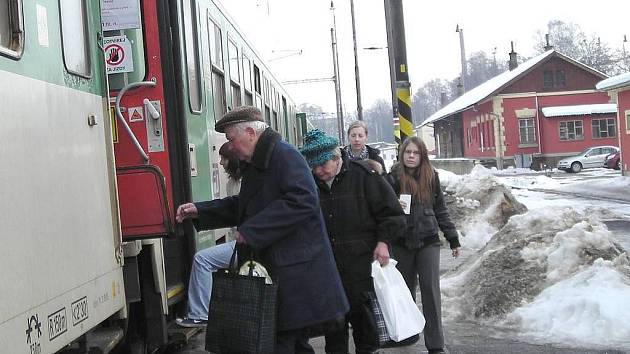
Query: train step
x=98, y=341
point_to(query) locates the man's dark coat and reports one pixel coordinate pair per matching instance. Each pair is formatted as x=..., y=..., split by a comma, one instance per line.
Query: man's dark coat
x=277, y=212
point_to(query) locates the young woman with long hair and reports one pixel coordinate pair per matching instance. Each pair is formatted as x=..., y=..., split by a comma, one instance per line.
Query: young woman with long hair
x=418, y=253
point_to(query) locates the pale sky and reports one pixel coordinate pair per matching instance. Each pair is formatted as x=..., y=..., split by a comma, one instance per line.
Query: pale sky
x=278, y=28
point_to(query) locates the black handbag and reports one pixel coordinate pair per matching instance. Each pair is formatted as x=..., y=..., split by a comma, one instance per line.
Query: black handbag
x=242, y=313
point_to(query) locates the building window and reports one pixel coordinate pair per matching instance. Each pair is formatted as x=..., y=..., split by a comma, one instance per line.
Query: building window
x=74, y=37
x=11, y=28
x=526, y=131
x=548, y=79
x=561, y=80
x=603, y=128
x=554, y=79
x=627, y=122
x=571, y=130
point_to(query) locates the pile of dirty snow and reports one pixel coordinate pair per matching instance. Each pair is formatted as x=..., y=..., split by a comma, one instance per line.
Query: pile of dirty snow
x=554, y=274
x=478, y=204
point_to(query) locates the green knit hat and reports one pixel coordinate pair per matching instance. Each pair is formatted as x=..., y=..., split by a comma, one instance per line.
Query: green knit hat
x=318, y=147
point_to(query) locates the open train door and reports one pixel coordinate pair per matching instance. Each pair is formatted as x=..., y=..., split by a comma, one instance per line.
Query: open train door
x=132, y=54
x=149, y=153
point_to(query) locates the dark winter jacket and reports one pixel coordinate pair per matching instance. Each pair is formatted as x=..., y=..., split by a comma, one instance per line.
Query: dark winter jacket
x=360, y=209
x=424, y=221
x=278, y=214
x=373, y=154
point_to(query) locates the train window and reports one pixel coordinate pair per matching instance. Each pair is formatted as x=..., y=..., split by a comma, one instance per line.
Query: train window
x=218, y=91
x=11, y=28
x=216, y=45
x=247, y=73
x=235, y=66
x=256, y=79
x=74, y=37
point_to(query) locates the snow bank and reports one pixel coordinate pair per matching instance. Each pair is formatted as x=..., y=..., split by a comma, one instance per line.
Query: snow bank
x=589, y=308
x=479, y=204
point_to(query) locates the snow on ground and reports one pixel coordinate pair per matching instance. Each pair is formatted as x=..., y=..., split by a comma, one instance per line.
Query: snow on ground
x=554, y=274
x=617, y=188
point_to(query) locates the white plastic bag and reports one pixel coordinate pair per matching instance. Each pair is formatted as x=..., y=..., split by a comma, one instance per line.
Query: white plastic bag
x=402, y=316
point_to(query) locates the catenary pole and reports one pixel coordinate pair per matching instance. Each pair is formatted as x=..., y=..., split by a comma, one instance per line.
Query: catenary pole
x=403, y=122
x=356, y=64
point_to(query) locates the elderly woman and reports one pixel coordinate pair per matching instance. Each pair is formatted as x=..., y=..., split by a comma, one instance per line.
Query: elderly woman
x=418, y=252
x=362, y=216
x=358, y=148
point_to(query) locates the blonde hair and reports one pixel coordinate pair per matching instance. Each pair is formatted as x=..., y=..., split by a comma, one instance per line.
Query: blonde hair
x=358, y=124
x=417, y=181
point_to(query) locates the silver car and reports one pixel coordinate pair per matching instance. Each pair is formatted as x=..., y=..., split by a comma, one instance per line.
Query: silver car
x=590, y=158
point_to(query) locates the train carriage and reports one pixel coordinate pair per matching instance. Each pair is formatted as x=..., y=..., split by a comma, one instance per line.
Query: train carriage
x=108, y=112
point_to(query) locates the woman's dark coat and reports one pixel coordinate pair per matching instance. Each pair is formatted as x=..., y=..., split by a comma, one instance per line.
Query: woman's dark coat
x=424, y=221
x=360, y=209
x=278, y=214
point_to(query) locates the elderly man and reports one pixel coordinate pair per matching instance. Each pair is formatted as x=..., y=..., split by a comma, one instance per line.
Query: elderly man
x=278, y=216
x=362, y=216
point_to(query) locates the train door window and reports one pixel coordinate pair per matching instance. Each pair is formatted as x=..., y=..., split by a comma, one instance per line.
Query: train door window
x=11, y=28
x=74, y=37
x=235, y=73
x=192, y=58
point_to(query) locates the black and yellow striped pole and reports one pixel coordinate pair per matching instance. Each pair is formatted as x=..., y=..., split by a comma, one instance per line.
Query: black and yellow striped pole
x=401, y=93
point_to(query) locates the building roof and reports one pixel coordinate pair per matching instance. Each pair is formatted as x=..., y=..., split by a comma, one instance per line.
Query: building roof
x=584, y=109
x=614, y=82
x=497, y=83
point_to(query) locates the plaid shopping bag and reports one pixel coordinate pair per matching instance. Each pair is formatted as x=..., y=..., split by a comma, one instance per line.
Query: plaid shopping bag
x=379, y=321
x=242, y=314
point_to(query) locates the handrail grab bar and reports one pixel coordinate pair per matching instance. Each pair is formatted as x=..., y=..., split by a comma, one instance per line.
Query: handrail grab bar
x=122, y=120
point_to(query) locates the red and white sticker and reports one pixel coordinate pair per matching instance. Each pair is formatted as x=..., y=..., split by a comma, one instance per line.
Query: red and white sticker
x=118, y=57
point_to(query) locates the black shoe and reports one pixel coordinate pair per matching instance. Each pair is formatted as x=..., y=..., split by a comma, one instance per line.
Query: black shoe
x=437, y=351
x=190, y=323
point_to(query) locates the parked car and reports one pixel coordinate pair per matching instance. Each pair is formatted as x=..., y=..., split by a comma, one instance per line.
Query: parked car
x=613, y=161
x=590, y=158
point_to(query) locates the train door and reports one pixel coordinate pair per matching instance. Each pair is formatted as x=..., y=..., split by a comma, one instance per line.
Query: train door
x=150, y=160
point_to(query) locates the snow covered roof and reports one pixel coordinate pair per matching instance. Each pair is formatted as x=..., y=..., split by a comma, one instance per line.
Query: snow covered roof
x=614, y=82
x=495, y=84
x=583, y=109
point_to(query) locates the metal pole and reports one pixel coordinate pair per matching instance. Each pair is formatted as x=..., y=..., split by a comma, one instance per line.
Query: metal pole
x=462, y=57
x=333, y=38
x=398, y=50
x=356, y=64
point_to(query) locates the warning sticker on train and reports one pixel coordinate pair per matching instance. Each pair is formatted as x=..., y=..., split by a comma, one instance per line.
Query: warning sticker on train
x=118, y=57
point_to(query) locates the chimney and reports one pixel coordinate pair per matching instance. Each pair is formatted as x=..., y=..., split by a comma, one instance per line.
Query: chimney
x=443, y=99
x=460, y=87
x=512, y=63
x=547, y=46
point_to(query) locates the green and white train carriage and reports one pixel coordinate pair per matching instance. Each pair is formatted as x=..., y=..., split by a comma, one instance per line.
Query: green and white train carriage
x=70, y=210
x=60, y=255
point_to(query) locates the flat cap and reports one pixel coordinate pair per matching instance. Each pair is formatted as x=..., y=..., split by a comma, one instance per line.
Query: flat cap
x=238, y=115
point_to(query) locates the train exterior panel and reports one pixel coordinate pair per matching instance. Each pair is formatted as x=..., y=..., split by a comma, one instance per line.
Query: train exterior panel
x=88, y=205
x=61, y=254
